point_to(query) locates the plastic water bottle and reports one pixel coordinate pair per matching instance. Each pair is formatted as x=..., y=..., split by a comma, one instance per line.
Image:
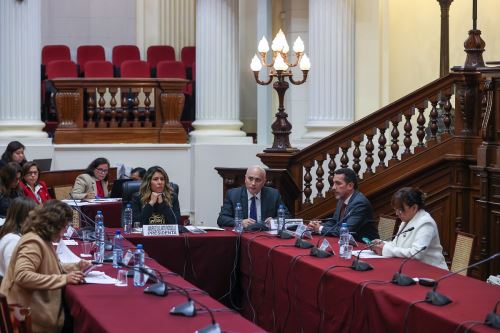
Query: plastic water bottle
x=281, y=218
x=127, y=220
x=139, y=280
x=238, y=219
x=98, y=218
x=117, y=249
x=99, y=236
x=343, y=240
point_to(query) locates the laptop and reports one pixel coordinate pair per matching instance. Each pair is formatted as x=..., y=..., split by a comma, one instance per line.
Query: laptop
x=43, y=164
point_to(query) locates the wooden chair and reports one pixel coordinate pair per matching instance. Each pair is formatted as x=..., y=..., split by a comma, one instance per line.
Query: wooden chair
x=62, y=192
x=462, y=252
x=386, y=226
x=15, y=318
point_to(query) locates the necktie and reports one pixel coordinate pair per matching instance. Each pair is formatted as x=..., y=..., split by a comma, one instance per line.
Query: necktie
x=253, y=210
x=342, y=211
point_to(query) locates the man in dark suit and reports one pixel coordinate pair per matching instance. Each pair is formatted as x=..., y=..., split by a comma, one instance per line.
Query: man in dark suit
x=259, y=203
x=352, y=208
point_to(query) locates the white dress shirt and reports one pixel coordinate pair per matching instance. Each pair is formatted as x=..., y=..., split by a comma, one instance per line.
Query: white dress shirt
x=7, y=245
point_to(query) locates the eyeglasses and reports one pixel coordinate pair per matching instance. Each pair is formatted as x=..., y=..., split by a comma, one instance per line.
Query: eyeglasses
x=102, y=170
x=32, y=173
x=398, y=211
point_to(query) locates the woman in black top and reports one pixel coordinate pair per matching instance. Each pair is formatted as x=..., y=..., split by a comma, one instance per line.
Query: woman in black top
x=9, y=185
x=13, y=153
x=156, y=202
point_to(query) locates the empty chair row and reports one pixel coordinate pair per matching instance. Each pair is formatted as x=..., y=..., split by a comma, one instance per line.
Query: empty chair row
x=120, y=54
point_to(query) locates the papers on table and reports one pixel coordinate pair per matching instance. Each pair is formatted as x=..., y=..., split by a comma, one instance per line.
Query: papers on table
x=66, y=256
x=88, y=202
x=367, y=254
x=98, y=277
x=195, y=229
x=209, y=228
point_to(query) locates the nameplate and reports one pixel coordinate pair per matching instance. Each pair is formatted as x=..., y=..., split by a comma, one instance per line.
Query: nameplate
x=302, y=231
x=160, y=230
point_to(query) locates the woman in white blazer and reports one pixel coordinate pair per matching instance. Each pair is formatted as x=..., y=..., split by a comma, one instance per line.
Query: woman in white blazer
x=410, y=208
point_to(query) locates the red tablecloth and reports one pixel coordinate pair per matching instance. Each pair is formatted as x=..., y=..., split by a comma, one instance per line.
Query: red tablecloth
x=206, y=260
x=107, y=308
x=281, y=293
x=112, y=212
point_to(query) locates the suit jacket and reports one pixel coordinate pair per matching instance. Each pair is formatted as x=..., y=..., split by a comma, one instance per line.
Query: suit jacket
x=35, y=278
x=358, y=216
x=270, y=200
x=424, y=234
x=42, y=191
x=86, y=183
x=157, y=214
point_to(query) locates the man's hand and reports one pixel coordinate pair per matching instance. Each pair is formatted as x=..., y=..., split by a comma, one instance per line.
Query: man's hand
x=314, y=226
x=247, y=222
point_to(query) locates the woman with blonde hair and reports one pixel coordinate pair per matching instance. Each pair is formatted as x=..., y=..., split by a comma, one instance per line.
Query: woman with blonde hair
x=156, y=202
x=35, y=277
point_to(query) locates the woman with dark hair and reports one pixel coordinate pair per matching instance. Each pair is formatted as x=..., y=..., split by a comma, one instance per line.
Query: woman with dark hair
x=13, y=153
x=9, y=185
x=409, y=205
x=31, y=186
x=156, y=202
x=35, y=277
x=11, y=230
x=94, y=182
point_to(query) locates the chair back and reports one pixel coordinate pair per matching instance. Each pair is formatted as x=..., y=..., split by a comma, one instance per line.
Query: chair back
x=132, y=187
x=462, y=252
x=122, y=53
x=135, y=69
x=98, y=68
x=86, y=53
x=61, y=68
x=157, y=53
x=386, y=227
x=188, y=55
x=55, y=52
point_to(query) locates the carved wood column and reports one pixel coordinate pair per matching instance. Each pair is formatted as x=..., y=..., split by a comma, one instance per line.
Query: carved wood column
x=444, y=58
x=20, y=58
x=171, y=102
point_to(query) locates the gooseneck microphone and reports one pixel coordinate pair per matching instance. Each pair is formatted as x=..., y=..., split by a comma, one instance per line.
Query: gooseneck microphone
x=159, y=288
x=493, y=318
x=362, y=266
x=402, y=279
x=435, y=298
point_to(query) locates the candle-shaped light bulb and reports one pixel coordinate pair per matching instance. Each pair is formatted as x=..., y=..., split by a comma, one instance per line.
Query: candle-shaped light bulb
x=286, y=48
x=263, y=45
x=305, y=63
x=255, y=65
x=298, y=45
x=279, y=63
x=277, y=44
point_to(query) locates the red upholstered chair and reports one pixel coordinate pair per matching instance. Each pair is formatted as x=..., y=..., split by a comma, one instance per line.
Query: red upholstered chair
x=53, y=52
x=188, y=57
x=86, y=53
x=175, y=70
x=157, y=53
x=61, y=68
x=122, y=53
x=98, y=68
x=135, y=69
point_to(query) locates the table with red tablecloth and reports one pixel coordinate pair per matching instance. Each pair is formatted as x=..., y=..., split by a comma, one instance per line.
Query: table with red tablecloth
x=111, y=210
x=208, y=260
x=108, y=308
x=287, y=290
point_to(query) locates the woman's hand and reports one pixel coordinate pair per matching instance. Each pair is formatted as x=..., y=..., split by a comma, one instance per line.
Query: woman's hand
x=75, y=277
x=90, y=195
x=84, y=264
x=377, y=246
x=156, y=198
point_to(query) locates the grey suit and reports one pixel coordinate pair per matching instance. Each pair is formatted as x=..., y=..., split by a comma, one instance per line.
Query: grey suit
x=358, y=216
x=270, y=202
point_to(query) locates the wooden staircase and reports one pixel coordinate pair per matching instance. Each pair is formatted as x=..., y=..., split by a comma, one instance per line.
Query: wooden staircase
x=443, y=138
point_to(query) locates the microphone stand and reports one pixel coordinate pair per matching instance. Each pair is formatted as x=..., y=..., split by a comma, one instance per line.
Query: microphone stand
x=159, y=288
x=362, y=266
x=303, y=244
x=493, y=318
x=435, y=298
x=402, y=279
x=316, y=251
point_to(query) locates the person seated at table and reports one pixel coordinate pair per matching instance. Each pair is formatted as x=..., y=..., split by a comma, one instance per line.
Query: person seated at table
x=410, y=208
x=259, y=203
x=352, y=208
x=14, y=152
x=156, y=202
x=31, y=186
x=94, y=182
x=10, y=233
x=137, y=173
x=35, y=277
x=9, y=186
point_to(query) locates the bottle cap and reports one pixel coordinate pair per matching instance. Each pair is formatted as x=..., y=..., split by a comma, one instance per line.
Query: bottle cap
x=129, y=205
x=139, y=246
x=99, y=223
x=99, y=212
x=117, y=232
x=344, y=224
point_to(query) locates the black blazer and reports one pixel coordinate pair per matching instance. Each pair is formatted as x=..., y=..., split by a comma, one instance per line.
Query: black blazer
x=358, y=216
x=270, y=200
x=164, y=213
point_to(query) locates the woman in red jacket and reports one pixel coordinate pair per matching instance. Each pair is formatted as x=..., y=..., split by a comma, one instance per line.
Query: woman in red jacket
x=32, y=187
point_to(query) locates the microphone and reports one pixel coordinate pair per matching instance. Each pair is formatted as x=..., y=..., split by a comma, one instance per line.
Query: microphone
x=401, y=279
x=86, y=218
x=303, y=244
x=493, y=318
x=435, y=298
x=362, y=266
x=316, y=251
x=159, y=288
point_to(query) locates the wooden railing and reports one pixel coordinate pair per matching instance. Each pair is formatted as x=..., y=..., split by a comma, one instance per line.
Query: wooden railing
x=118, y=110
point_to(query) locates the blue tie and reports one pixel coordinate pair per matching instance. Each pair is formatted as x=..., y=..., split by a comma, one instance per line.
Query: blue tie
x=253, y=209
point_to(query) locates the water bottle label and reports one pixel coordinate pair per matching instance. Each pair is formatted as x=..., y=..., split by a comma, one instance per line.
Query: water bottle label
x=126, y=258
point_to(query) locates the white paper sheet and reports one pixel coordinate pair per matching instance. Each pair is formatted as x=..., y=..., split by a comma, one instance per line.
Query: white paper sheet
x=367, y=254
x=66, y=256
x=98, y=277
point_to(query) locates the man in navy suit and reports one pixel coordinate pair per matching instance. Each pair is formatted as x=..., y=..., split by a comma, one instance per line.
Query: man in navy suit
x=352, y=208
x=258, y=202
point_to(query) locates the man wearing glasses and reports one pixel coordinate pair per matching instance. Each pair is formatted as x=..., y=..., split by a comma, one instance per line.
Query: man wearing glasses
x=94, y=182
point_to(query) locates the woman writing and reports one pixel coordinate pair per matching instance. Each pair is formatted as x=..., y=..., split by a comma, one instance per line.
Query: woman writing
x=13, y=153
x=410, y=208
x=156, y=202
x=11, y=230
x=35, y=277
x=31, y=186
x=94, y=182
